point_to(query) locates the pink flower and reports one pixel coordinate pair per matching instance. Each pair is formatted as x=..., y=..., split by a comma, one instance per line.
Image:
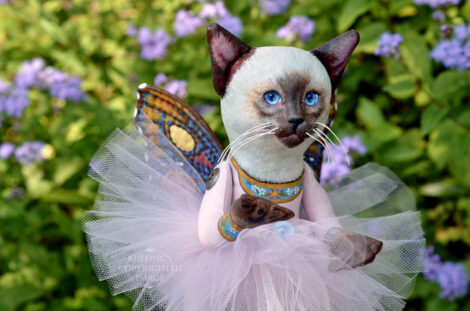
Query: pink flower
x=274, y=194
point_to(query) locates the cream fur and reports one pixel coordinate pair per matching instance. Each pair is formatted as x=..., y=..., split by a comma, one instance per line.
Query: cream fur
x=266, y=158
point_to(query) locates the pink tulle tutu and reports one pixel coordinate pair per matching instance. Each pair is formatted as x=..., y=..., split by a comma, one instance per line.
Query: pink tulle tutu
x=143, y=239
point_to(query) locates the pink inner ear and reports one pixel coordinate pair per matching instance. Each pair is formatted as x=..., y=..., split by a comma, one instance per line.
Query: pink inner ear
x=223, y=51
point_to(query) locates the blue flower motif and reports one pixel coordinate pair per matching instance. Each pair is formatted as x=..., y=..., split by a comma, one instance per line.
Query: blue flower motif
x=283, y=228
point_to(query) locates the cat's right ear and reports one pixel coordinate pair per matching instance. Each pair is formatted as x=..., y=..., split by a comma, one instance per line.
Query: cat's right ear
x=225, y=49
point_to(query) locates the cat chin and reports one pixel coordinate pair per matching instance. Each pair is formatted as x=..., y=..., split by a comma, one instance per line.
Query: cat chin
x=292, y=140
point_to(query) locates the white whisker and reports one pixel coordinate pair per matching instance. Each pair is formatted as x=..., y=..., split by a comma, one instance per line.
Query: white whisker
x=339, y=140
x=321, y=143
x=249, y=140
x=323, y=136
x=231, y=145
x=240, y=139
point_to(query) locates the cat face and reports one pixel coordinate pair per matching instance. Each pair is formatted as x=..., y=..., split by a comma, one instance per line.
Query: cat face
x=288, y=88
x=285, y=86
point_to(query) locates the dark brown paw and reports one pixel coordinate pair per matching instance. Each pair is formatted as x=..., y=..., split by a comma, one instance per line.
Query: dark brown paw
x=250, y=211
x=354, y=249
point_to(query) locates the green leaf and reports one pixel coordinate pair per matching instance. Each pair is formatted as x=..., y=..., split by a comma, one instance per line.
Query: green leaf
x=350, y=12
x=369, y=113
x=402, y=89
x=449, y=84
x=54, y=30
x=66, y=168
x=444, y=188
x=449, y=145
x=407, y=147
x=430, y=118
x=67, y=197
x=370, y=33
x=202, y=89
x=416, y=56
x=36, y=185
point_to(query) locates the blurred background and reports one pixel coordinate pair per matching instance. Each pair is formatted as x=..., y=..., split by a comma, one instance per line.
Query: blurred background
x=69, y=70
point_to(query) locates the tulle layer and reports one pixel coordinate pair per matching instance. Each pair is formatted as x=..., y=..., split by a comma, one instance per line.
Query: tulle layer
x=142, y=238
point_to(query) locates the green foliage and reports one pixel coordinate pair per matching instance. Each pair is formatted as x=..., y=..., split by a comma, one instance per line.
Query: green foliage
x=413, y=115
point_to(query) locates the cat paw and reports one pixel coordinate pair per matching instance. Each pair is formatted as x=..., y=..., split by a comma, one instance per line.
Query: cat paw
x=250, y=212
x=353, y=250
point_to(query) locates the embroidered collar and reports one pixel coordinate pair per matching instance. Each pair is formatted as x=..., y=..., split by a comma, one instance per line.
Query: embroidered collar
x=275, y=192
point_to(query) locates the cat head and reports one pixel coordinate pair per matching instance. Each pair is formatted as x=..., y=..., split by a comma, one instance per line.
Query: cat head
x=289, y=87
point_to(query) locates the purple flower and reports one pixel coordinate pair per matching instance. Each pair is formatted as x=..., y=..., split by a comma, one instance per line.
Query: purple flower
x=160, y=79
x=17, y=193
x=232, y=24
x=3, y=86
x=29, y=152
x=219, y=13
x=153, y=44
x=437, y=3
x=451, y=277
x=6, y=150
x=14, y=101
x=28, y=74
x=4, y=1
x=213, y=11
x=274, y=7
x=132, y=31
x=454, y=52
x=438, y=16
x=68, y=89
x=186, y=23
x=354, y=143
x=177, y=87
x=388, y=44
x=298, y=26
x=337, y=166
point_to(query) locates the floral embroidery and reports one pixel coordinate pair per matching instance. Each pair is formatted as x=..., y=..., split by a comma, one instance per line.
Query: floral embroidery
x=275, y=192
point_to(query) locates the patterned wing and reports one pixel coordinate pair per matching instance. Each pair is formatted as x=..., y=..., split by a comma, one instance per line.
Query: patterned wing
x=314, y=154
x=181, y=125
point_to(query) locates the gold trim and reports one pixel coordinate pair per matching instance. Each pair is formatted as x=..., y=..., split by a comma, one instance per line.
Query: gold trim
x=241, y=173
x=224, y=235
x=234, y=224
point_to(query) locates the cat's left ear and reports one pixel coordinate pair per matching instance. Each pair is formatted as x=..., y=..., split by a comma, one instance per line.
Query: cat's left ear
x=226, y=49
x=335, y=54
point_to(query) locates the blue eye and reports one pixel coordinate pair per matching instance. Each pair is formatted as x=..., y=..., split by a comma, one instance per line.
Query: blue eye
x=272, y=97
x=311, y=99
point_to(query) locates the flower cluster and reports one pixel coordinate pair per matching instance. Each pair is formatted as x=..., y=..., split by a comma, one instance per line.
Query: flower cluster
x=454, y=53
x=297, y=27
x=219, y=13
x=153, y=44
x=333, y=170
x=186, y=23
x=388, y=44
x=451, y=276
x=176, y=87
x=28, y=152
x=14, y=97
x=274, y=7
x=437, y=3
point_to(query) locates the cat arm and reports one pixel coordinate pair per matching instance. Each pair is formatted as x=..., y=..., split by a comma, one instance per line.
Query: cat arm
x=352, y=248
x=216, y=201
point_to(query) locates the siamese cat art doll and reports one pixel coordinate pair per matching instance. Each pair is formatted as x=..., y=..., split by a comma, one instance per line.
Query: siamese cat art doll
x=183, y=224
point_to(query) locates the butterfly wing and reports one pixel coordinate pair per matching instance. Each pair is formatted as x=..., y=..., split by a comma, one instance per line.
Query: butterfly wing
x=314, y=154
x=181, y=125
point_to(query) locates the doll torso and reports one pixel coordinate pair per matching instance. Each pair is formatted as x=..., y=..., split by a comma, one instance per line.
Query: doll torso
x=288, y=195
